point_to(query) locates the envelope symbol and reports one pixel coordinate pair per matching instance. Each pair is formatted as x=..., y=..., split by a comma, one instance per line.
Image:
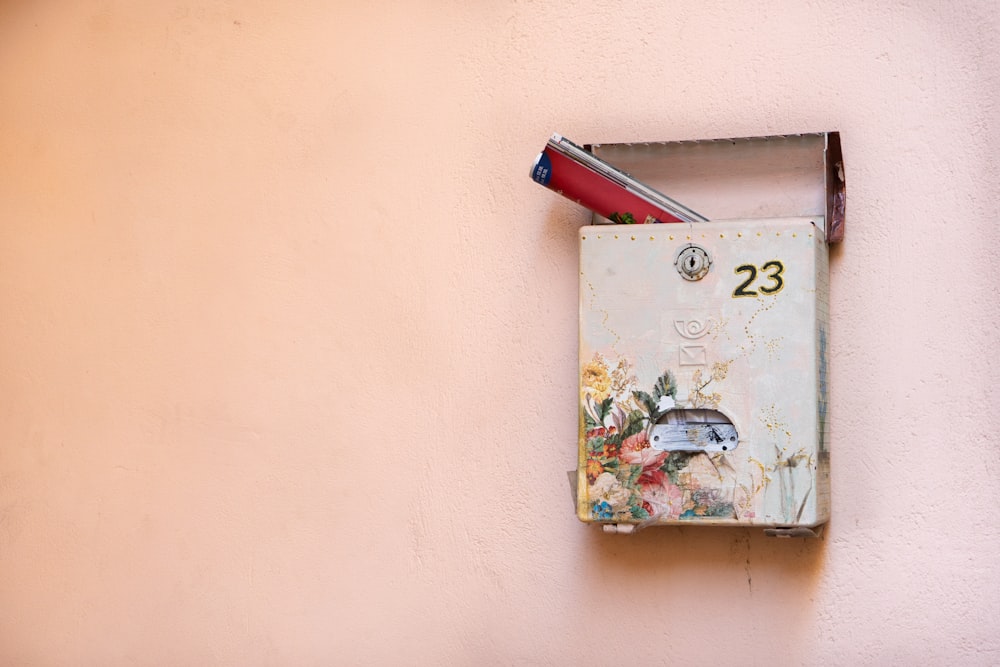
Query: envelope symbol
x=693, y=355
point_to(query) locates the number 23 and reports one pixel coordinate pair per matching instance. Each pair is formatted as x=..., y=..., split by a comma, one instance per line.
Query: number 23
x=775, y=267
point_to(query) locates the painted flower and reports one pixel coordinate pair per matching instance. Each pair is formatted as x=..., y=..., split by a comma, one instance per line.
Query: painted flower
x=594, y=469
x=636, y=451
x=602, y=450
x=700, y=400
x=600, y=431
x=649, y=458
x=595, y=378
x=601, y=510
x=622, y=379
x=636, y=442
x=720, y=370
x=607, y=488
x=665, y=499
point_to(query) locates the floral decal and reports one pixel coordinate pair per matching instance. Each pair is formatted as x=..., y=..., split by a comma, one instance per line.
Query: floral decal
x=627, y=479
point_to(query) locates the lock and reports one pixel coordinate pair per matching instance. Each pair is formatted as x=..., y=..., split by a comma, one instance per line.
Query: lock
x=692, y=262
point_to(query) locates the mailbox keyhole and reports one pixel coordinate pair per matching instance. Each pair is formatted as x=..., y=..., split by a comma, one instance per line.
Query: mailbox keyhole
x=692, y=262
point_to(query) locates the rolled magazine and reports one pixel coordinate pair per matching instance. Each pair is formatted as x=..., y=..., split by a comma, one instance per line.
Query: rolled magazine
x=581, y=176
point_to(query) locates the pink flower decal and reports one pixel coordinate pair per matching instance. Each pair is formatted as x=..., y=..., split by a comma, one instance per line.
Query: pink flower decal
x=636, y=451
x=665, y=499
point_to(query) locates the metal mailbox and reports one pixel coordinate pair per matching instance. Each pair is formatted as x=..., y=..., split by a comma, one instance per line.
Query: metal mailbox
x=704, y=346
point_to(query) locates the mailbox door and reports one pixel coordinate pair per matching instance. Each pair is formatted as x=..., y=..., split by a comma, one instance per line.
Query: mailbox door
x=703, y=373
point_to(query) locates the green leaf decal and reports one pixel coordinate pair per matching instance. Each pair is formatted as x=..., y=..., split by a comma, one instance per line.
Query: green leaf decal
x=646, y=401
x=666, y=386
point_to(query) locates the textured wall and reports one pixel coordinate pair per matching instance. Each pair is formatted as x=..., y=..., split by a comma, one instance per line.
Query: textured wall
x=288, y=342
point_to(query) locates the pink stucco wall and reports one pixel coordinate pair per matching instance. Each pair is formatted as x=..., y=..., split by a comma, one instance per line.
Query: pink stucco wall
x=288, y=340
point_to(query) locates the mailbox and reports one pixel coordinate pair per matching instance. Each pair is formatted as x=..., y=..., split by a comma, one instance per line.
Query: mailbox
x=704, y=349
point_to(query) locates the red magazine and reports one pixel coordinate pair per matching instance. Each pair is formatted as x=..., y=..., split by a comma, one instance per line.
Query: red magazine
x=579, y=175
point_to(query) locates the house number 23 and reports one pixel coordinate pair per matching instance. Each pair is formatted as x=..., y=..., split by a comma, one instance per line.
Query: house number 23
x=773, y=282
